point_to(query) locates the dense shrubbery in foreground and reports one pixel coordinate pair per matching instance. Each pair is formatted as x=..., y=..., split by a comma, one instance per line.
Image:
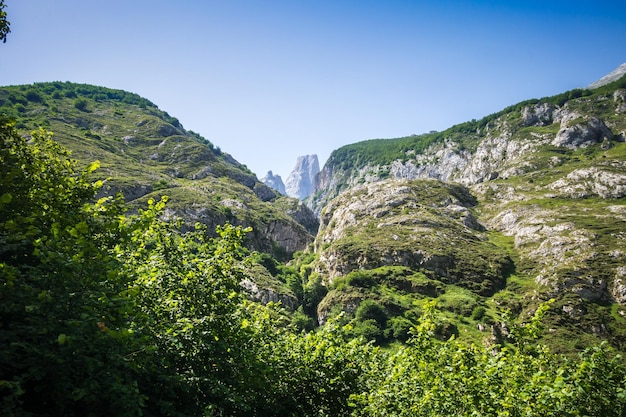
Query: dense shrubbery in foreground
x=107, y=314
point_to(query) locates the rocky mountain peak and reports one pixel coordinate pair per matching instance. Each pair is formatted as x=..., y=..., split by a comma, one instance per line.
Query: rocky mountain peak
x=610, y=77
x=301, y=181
x=274, y=181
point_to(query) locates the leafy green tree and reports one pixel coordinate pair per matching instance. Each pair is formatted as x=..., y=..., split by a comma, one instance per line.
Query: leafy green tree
x=104, y=314
x=5, y=25
x=301, y=322
x=81, y=104
x=188, y=316
x=432, y=378
x=371, y=310
x=313, y=292
x=311, y=374
x=58, y=283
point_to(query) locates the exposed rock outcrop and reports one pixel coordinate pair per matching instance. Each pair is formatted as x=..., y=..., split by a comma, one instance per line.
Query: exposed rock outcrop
x=301, y=181
x=574, y=134
x=614, y=75
x=538, y=115
x=425, y=225
x=266, y=295
x=274, y=181
x=593, y=181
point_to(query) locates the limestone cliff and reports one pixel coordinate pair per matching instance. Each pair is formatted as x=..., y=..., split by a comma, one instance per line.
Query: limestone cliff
x=275, y=182
x=543, y=182
x=301, y=180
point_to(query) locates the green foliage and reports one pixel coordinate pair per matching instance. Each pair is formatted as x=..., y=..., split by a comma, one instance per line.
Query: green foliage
x=302, y=322
x=399, y=328
x=5, y=25
x=59, y=280
x=478, y=313
x=371, y=310
x=107, y=314
x=313, y=292
x=431, y=378
x=81, y=104
x=104, y=314
x=312, y=374
x=381, y=152
x=143, y=149
x=187, y=315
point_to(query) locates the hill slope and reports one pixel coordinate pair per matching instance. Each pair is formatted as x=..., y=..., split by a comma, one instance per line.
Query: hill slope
x=146, y=153
x=544, y=186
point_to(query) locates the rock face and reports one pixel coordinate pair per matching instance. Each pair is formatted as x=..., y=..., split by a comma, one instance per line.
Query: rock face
x=609, y=78
x=425, y=225
x=543, y=181
x=504, y=148
x=300, y=182
x=581, y=134
x=274, y=181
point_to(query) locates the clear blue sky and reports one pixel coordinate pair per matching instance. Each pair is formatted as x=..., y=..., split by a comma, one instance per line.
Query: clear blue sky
x=268, y=81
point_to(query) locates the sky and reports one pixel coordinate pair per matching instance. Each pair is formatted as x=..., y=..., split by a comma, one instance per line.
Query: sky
x=268, y=81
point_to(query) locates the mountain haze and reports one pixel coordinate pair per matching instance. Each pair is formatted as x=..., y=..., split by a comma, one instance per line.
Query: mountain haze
x=275, y=182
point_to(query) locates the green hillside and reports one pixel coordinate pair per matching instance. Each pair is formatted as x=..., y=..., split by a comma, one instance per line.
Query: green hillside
x=542, y=217
x=381, y=152
x=145, y=153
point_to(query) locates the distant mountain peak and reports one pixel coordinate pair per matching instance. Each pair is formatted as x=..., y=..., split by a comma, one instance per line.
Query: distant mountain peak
x=610, y=77
x=274, y=181
x=300, y=182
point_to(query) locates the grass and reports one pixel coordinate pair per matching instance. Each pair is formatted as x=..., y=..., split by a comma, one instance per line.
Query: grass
x=145, y=152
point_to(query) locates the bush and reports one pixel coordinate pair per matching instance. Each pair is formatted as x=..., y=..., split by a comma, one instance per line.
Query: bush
x=34, y=97
x=81, y=104
x=399, y=328
x=369, y=329
x=360, y=279
x=371, y=310
x=478, y=313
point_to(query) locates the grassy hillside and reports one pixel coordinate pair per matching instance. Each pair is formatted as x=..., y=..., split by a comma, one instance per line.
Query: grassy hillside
x=145, y=153
x=546, y=181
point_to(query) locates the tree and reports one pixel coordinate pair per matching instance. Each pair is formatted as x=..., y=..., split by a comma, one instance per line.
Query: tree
x=58, y=283
x=5, y=25
x=107, y=314
x=428, y=377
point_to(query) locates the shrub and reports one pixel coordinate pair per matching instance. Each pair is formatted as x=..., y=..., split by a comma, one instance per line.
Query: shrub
x=371, y=310
x=81, y=104
x=478, y=312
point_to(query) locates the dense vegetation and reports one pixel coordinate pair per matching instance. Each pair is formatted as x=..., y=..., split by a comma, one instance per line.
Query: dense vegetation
x=104, y=313
x=380, y=152
x=555, y=211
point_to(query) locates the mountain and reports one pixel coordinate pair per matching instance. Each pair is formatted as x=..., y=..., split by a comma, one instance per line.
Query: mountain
x=275, y=182
x=489, y=218
x=300, y=181
x=492, y=215
x=610, y=77
x=145, y=152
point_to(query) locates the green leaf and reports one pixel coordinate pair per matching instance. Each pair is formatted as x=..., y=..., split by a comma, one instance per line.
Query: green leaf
x=93, y=166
